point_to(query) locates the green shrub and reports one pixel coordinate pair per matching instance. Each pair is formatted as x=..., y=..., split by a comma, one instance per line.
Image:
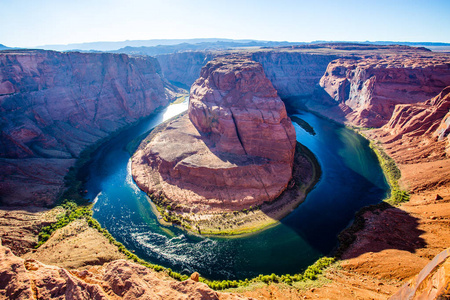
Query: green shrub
x=393, y=174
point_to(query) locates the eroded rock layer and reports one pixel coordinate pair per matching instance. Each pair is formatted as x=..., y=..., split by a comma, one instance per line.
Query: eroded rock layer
x=120, y=279
x=418, y=132
x=371, y=87
x=53, y=105
x=234, y=149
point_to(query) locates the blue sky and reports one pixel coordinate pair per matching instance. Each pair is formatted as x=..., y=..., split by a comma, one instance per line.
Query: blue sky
x=27, y=23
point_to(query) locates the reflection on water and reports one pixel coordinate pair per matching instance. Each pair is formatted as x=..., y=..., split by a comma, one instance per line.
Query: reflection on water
x=351, y=179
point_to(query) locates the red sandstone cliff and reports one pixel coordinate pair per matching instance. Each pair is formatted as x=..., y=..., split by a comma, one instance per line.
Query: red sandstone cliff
x=293, y=73
x=370, y=88
x=418, y=132
x=235, y=150
x=53, y=105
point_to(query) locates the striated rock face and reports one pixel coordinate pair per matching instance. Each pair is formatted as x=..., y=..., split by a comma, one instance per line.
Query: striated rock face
x=184, y=67
x=235, y=103
x=120, y=279
x=372, y=87
x=433, y=282
x=418, y=132
x=293, y=73
x=235, y=149
x=53, y=105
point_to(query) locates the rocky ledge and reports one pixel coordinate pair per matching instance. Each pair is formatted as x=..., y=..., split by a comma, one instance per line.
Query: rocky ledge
x=120, y=279
x=234, y=149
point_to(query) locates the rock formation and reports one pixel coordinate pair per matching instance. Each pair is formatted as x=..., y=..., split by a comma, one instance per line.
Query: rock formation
x=418, y=132
x=234, y=149
x=53, y=105
x=184, y=67
x=433, y=282
x=371, y=87
x=120, y=279
x=294, y=74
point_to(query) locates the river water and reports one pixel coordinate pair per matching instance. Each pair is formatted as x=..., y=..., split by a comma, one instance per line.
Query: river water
x=351, y=178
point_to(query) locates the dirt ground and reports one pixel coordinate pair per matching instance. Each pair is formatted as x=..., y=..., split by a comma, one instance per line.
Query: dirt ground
x=75, y=246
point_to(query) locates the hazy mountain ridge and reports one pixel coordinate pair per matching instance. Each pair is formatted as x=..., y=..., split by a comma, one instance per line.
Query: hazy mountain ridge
x=163, y=46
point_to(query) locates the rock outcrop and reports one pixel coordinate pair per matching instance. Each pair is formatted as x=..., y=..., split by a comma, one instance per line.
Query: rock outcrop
x=418, y=132
x=233, y=150
x=370, y=88
x=53, y=105
x=433, y=282
x=120, y=279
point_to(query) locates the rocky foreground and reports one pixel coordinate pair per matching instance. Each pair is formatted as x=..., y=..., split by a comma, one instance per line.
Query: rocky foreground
x=234, y=149
x=120, y=279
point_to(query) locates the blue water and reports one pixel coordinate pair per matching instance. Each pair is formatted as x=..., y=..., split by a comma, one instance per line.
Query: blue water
x=351, y=179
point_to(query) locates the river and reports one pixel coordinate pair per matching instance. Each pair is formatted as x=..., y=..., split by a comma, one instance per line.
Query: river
x=351, y=179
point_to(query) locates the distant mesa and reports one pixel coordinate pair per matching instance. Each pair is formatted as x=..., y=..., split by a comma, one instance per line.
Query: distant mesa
x=234, y=149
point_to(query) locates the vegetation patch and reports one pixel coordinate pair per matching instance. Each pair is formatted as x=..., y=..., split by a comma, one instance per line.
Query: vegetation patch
x=392, y=174
x=72, y=212
x=311, y=273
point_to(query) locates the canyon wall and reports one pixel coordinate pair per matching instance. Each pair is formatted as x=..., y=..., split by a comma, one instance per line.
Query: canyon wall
x=53, y=105
x=371, y=87
x=293, y=73
x=184, y=67
x=358, y=84
x=418, y=132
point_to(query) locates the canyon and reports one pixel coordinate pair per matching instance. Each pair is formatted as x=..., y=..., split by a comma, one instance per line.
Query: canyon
x=54, y=105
